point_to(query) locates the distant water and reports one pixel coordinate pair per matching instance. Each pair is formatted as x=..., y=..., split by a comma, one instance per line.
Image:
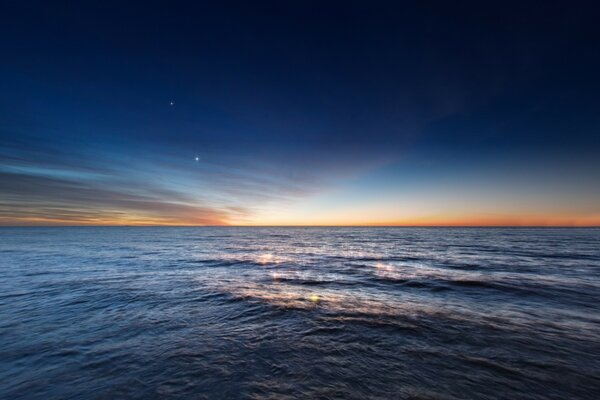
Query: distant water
x=310, y=313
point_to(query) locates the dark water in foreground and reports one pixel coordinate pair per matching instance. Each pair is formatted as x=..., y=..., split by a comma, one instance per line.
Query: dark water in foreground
x=277, y=313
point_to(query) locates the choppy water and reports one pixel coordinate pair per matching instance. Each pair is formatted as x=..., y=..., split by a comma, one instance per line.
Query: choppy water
x=277, y=313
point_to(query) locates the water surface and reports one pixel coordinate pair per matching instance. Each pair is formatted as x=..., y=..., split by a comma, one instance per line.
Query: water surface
x=278, y=313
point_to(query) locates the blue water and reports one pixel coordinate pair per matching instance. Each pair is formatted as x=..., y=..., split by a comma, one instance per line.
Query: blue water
x=284, y=313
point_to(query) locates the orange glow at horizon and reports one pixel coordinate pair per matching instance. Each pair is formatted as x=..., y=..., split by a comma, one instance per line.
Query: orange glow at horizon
x=566, y=220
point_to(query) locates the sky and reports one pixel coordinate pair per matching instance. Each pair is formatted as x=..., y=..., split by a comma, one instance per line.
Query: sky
x=299, y=113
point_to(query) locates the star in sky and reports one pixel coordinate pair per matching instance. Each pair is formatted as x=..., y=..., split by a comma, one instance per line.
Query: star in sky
x=171, y=103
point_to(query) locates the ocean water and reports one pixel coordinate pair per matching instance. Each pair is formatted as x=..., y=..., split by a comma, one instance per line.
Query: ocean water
x=299, y=313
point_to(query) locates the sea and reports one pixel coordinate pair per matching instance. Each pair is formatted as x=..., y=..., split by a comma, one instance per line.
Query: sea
x=299, y=313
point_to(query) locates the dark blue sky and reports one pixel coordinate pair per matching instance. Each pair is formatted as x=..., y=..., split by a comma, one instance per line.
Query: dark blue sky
x=299, y=112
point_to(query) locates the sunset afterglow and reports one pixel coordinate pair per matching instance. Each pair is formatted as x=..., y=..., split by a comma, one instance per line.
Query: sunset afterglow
x=357, y=123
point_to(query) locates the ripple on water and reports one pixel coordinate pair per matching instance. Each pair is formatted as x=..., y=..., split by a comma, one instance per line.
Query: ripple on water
x=280, y=313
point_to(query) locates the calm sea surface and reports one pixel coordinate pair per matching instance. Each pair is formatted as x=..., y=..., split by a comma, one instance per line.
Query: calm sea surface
x=310, y=313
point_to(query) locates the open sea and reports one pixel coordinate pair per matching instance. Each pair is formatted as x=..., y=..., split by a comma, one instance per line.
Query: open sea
x=299, y=313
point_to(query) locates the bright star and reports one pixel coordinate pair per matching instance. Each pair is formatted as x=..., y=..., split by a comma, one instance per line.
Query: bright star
x=171, y=104
x=197, y=158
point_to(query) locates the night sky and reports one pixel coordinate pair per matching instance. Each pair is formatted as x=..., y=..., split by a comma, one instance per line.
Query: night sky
x=299, y=113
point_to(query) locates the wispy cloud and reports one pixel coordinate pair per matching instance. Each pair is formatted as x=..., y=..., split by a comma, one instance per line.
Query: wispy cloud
x=50, y=184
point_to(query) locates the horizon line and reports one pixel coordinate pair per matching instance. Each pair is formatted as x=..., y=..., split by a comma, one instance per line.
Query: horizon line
x=293, y=226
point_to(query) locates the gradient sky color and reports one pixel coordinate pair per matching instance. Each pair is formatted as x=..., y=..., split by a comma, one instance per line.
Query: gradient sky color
x=299, y=113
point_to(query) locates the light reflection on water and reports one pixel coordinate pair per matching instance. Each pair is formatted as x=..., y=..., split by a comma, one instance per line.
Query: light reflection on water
x=299, y=313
